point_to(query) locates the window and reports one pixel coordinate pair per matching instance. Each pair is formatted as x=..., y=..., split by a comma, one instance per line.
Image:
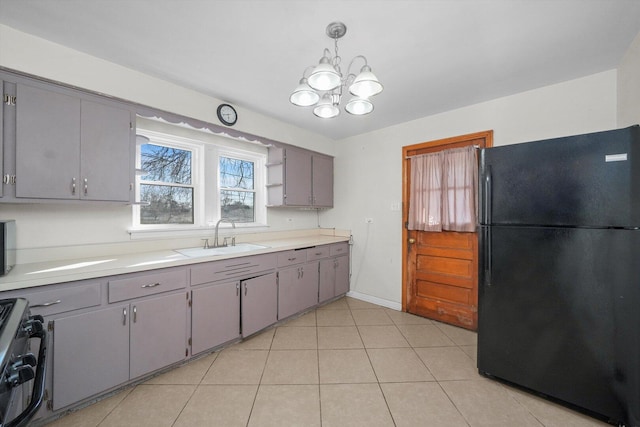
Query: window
x=237, y=189
x=190, y=180
x=167, y=185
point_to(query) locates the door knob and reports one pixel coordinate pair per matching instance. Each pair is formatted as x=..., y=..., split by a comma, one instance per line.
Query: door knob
x=412, y=240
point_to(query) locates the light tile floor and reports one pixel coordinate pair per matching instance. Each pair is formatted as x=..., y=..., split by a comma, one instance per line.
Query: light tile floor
x=349, y=363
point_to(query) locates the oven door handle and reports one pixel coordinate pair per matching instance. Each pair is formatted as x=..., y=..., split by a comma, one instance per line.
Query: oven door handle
x=37, y=395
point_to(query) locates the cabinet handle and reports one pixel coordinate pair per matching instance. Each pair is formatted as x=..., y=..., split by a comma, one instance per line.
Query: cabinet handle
x=86, y=186
x=237, y=288
x=301, y=272
x=124, y=316
x=151, y=285
x=245, y=289
x=135, y=314
x=47, y=304
x=73, y=186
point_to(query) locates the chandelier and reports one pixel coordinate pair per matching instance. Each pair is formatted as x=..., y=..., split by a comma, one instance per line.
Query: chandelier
x=325, y=84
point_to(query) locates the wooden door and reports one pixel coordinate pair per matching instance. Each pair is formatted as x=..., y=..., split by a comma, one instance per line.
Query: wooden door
x=440, y=269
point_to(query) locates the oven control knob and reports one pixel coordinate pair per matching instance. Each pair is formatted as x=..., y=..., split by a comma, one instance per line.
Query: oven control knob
x=19, y=375
x=34, y=325
x=27, y=359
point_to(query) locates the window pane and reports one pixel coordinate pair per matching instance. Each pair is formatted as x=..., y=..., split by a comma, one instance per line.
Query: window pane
x=168, y=205
x=237, y=205
x=236, y=173
x=165, y=164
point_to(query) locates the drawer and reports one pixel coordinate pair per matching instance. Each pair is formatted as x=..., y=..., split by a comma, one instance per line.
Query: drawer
x=318, y=252
x=59, y=299
x=139, y=285
x=232, y=268
x=339, y=249
x=293, y=257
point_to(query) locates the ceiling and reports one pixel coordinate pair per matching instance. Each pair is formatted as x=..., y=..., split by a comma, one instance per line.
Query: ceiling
x=430, y=55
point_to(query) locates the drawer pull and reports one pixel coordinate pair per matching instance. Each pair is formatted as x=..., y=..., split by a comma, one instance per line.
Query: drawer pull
x=292, y=259
x=47, y=304
x=151, y=285
x=318, y=253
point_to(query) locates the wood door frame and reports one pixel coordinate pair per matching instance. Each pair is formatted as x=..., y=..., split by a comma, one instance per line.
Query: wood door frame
x=426, y=147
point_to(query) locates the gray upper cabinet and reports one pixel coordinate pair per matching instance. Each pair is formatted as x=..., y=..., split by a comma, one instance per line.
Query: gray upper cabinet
x=70, y=148
x=299, y=178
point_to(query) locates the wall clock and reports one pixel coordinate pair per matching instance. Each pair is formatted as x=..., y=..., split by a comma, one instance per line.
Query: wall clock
x=227, y=114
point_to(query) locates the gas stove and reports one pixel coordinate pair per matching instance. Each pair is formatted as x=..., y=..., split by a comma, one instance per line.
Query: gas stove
x=22, y=374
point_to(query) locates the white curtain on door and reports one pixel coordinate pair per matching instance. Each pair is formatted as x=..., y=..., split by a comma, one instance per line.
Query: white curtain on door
x=444, y=191
x=425, y=208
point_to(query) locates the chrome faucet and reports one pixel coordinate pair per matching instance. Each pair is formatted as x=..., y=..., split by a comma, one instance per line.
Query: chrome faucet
x=215, y=238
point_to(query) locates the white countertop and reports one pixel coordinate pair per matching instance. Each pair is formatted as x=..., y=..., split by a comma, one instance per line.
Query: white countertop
x=24, y=276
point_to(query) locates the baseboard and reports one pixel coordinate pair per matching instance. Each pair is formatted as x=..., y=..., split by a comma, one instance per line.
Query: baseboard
x=375, y=300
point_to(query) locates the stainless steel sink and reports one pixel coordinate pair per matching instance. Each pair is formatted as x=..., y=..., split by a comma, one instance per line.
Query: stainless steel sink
x=222, y=250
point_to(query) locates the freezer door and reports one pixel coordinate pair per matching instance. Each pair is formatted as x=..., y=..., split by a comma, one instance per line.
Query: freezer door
x=586, y=180
x=558, y=314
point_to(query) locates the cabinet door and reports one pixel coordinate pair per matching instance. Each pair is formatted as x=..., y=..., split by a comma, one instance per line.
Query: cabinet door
x=297, y=177
x=297, y=289
x=322, y=181
x=90, y=354
x=326, y=283
x=215, y=315
x=158, y=333
x=47, y=144
x=288, y=283
x=309, y=285
x=106, y=165
x=259, y=303
x=342, y=275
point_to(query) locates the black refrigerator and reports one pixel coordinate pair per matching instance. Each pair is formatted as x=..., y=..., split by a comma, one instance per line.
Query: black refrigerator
x=559, y=291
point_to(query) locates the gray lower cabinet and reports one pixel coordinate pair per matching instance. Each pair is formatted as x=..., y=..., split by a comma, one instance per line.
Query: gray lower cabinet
x=334, y=274
x=297, y=289
x=215, y=315
x=158, y=333
x=216, y=310
x=259, y=303
x=99, y=363
x=71, y=148
x=118, y=343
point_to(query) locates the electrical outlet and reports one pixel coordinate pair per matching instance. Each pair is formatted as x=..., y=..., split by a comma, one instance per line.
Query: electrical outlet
x=368, y=220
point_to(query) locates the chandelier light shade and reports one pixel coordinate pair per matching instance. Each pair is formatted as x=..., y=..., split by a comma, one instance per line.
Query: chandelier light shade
x=365, y=84
x=325, y=84
x=326, y=108
x=304, y=95
x=359, y=106
x=324, y=76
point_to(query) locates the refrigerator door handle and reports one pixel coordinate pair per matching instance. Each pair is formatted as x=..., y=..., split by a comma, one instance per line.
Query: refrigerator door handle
x=487, y=256
x=487, y=196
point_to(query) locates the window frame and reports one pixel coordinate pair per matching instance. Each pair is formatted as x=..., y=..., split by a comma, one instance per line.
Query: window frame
x=206, y=153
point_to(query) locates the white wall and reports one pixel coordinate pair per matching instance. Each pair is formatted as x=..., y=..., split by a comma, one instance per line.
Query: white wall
x=52, y=226
x=369, y=167
x=629, y=86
